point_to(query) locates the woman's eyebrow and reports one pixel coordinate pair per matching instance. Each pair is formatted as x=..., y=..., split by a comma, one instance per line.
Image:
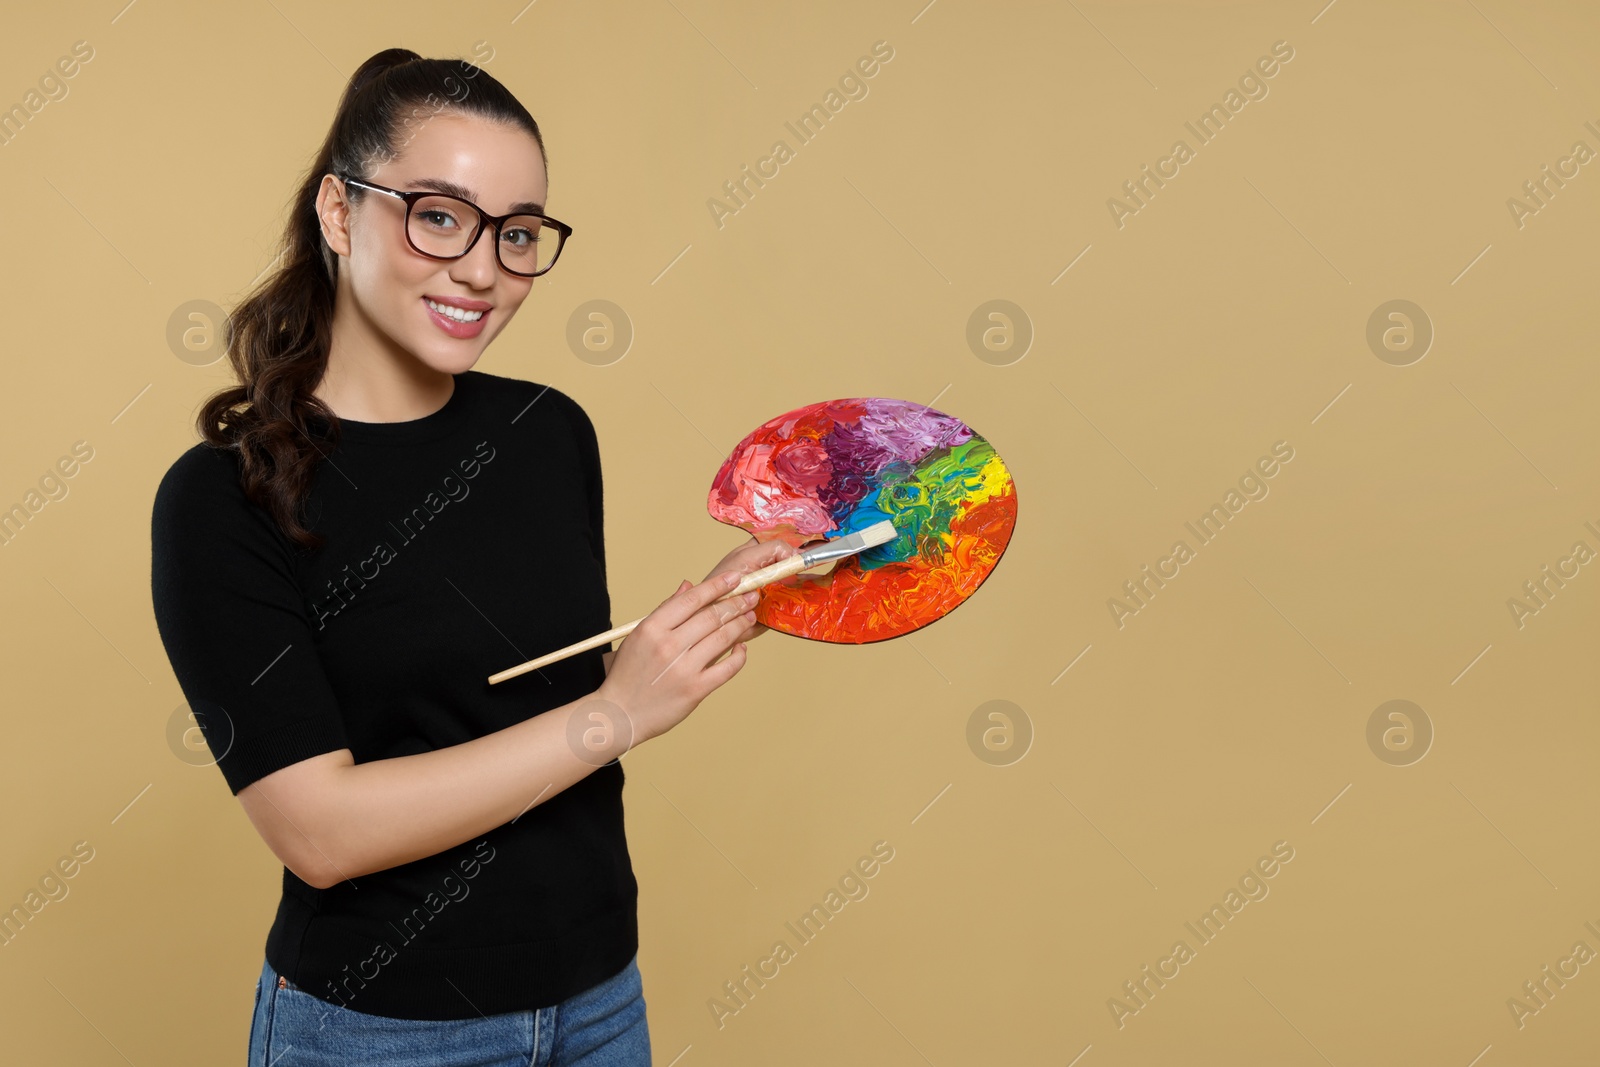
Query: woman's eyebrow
x=450, y=188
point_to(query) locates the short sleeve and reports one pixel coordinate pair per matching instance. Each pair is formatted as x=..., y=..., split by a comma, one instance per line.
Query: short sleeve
x=589, y=453
x=234, y=624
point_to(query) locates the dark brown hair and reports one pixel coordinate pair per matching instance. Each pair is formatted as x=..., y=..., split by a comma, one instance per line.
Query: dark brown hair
x=277, y=337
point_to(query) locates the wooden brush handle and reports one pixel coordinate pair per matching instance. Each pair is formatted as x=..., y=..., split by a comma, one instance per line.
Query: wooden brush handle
x=560, y=654
x=766, y=575
x=754, y=580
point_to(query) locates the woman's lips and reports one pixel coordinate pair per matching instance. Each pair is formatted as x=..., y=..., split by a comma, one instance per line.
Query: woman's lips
x=453, y=327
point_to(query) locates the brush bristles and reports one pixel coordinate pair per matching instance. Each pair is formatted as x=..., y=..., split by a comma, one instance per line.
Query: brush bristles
x=880, y=533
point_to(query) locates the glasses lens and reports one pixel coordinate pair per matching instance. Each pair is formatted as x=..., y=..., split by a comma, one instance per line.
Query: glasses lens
x=527, y=246
x=445, y=226
x=442, y=225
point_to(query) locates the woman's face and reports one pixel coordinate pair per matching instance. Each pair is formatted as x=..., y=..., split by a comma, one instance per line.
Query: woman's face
x=389, y=285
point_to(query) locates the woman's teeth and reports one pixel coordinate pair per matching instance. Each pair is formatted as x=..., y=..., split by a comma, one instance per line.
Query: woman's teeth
x=454, y=312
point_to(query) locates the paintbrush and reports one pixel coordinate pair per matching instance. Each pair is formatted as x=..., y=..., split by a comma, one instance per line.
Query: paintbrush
x=877, y=534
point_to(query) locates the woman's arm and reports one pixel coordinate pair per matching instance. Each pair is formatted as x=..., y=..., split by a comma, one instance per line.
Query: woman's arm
x=330, y=819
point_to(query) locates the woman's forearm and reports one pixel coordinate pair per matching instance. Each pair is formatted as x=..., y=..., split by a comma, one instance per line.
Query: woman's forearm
x=334, y=819
x=384, y=813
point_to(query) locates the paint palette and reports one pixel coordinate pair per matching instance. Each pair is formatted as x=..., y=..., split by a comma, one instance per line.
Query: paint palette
x=830, y=469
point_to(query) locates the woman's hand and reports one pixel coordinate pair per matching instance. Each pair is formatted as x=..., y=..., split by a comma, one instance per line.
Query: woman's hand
x=670, y=662
x=752, y=556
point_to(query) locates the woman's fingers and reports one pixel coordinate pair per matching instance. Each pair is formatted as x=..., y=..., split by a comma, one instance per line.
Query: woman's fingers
x=718, y=673
x=697, y=615
x=706, y=650
x=777, y=550
x=752, y=556
x=711, y=618
x=700, y=640
x=691, y=598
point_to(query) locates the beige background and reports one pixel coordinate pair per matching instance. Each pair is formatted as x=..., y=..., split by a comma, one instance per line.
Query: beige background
x=1228, y=314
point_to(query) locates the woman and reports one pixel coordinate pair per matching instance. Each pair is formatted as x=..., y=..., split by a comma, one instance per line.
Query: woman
x=368, y=530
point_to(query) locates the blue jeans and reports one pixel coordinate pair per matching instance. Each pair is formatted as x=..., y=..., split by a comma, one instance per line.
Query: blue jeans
x=603, y=1026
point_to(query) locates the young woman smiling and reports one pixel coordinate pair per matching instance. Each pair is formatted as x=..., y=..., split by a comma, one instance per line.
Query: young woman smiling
x=370, y=753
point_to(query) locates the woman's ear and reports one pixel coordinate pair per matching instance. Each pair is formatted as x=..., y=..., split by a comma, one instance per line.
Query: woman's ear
x=333, y=210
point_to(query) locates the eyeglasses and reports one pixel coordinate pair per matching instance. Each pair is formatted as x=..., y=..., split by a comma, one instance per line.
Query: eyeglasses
x=446, y=227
